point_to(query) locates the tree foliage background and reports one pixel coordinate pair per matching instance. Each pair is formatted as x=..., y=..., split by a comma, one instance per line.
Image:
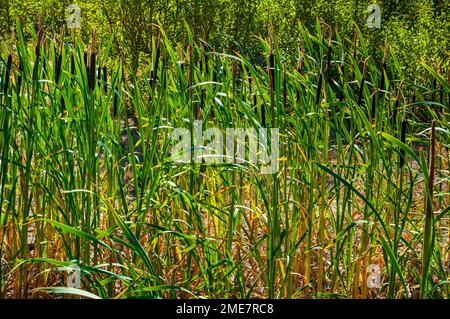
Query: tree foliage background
x=417, y=29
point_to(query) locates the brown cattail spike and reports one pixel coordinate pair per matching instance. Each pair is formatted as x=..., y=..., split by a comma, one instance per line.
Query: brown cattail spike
x=92, y=68
x=7, y=75
x=59, y=55
x=105, y=79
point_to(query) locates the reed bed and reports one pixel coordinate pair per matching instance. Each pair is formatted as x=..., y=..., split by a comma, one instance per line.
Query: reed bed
x=86, y=175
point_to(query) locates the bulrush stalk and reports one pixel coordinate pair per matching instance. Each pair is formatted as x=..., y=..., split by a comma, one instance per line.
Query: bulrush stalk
x=429, y=217
x=4, y=150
